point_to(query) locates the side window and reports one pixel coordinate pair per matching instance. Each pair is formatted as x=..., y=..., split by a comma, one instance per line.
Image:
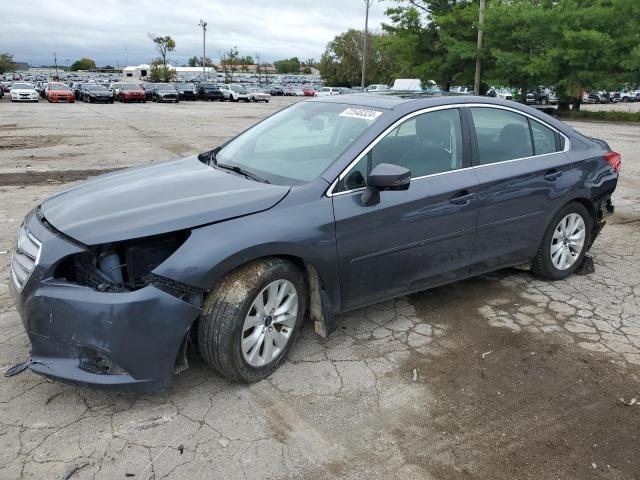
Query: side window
x=425, y=144
x=502, y=135
x=544, y=139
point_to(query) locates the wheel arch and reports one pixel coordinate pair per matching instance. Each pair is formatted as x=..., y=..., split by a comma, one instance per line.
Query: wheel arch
x=320, y=307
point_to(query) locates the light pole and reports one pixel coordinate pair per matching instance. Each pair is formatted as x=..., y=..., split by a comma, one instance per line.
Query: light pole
x=203, y=24
x=476, y=85
x=364, y=41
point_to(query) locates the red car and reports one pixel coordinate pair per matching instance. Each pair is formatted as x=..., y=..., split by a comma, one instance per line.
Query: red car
x=309, y=91
x=60, y=92
x=130, y=92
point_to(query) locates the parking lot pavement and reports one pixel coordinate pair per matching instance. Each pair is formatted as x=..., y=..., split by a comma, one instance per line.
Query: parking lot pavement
x=499, y=377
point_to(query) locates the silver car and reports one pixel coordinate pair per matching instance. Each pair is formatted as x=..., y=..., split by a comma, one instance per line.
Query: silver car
x=258, y=95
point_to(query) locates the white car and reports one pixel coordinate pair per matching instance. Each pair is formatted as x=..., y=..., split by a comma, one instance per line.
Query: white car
x=407, y=84
x=24, y=92
x=327, y=91
x=376, y=88
x=258, y=95
x=235, y=93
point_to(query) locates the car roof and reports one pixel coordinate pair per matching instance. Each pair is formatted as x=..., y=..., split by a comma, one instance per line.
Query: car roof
x=391, y=100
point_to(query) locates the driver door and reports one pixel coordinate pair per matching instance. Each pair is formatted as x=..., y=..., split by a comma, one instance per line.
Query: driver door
x=411, y=239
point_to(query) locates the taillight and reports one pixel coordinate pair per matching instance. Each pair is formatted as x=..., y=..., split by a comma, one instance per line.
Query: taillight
x=615, y=160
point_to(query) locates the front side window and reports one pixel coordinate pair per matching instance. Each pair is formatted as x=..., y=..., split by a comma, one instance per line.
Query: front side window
x=502, y=135
x=426, y=144
x=297, y=144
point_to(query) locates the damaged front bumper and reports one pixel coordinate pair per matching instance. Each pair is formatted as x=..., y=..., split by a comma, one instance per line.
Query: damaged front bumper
x=128, y=340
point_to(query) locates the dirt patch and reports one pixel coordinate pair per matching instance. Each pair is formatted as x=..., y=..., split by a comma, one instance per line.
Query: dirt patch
x=534, y=407
x=42, y=178
x=30, y=141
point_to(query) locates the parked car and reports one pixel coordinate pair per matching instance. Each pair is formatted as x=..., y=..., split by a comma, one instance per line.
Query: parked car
x=407, y=84
x=186, y=91
x=234, y=93
x=540, y=96
x=115, y=277
x=276, y=91
x=624, y=97
x=130, y=92
x=309, y=91
x=210, y=91
x=148, y=90
x=327, y=91
x=95, y=93
x=24, y=92
x=259, y=95
x=77, y=90
x=376, y=88
x=60, y=92
x=164, y=92
x=501, y=93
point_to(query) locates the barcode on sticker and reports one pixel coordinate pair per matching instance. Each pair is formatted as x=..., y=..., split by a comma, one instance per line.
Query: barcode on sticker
x=361, y=113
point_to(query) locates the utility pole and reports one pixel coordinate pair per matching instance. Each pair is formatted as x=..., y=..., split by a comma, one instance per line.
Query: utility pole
x=476, y=85
x=364, y=42
x=203, y=24
x=55, y=62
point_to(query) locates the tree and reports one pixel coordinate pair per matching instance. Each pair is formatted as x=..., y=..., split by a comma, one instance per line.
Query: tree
x=572, y=45
x=229, y=62
x=6, y=62
x=160, y=72
x=290, y=65
x=341, y=63
x=197, y=62
x=163, y=45
x=83, y=64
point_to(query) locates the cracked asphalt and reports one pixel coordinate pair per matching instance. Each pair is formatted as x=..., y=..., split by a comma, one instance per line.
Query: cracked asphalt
x=499, y=377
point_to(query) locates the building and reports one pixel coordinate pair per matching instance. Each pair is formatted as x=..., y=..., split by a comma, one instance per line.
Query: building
x=142, y=71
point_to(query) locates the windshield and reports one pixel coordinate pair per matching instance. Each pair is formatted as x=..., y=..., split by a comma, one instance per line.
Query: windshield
x=297, y=144
x=237, y=88
x=58, y=86
x=165, y=87
x=27, y=86
x=98, y=88
x=128, y=86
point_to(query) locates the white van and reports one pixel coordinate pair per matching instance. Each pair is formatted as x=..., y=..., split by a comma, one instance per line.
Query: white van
x=413, y=84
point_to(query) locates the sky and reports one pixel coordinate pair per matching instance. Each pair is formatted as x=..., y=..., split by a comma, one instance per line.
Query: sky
x=116, y=32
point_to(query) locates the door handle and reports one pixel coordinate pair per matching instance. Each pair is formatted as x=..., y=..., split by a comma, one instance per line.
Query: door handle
x=552, y=175
x=462, y=198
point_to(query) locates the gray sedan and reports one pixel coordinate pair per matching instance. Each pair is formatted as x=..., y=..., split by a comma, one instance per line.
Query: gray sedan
x=326, y=206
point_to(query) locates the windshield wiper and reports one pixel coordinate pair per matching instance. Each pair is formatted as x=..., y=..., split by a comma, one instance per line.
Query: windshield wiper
x=241, y=171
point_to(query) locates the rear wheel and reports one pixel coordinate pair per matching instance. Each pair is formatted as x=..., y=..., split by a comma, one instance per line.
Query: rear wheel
x=564, y=244
x=251, y=319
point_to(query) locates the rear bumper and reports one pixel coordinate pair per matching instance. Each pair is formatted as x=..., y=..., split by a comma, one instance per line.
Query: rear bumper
x=124, y=341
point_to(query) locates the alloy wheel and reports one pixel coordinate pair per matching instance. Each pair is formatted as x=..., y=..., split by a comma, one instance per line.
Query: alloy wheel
x=568, y=241
x=269, y=323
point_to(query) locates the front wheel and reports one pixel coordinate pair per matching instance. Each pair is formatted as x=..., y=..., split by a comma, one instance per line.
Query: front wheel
x=564, y=244
x=251, y=319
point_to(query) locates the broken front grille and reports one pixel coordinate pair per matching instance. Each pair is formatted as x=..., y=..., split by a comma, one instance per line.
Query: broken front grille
x=25, y=258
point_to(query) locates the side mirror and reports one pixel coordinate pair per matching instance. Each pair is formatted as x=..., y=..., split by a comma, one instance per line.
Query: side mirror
x=385, y=176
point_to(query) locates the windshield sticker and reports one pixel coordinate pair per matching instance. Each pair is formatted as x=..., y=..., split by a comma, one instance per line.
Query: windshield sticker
x=361, y=113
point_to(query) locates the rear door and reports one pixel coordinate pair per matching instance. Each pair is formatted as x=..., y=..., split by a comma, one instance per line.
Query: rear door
x=524, y=177
x=415, y=238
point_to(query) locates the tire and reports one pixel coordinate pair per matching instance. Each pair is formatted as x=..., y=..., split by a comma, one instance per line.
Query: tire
x=543, y=265
x=544, y=101
x=246, y=100
x=222, y=323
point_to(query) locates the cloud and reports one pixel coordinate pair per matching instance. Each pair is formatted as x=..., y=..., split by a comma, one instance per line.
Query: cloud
x=116, y=31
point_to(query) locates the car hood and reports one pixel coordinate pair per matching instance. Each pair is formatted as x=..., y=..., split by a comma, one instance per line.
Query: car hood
x=155, y=199
x=24, y=90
